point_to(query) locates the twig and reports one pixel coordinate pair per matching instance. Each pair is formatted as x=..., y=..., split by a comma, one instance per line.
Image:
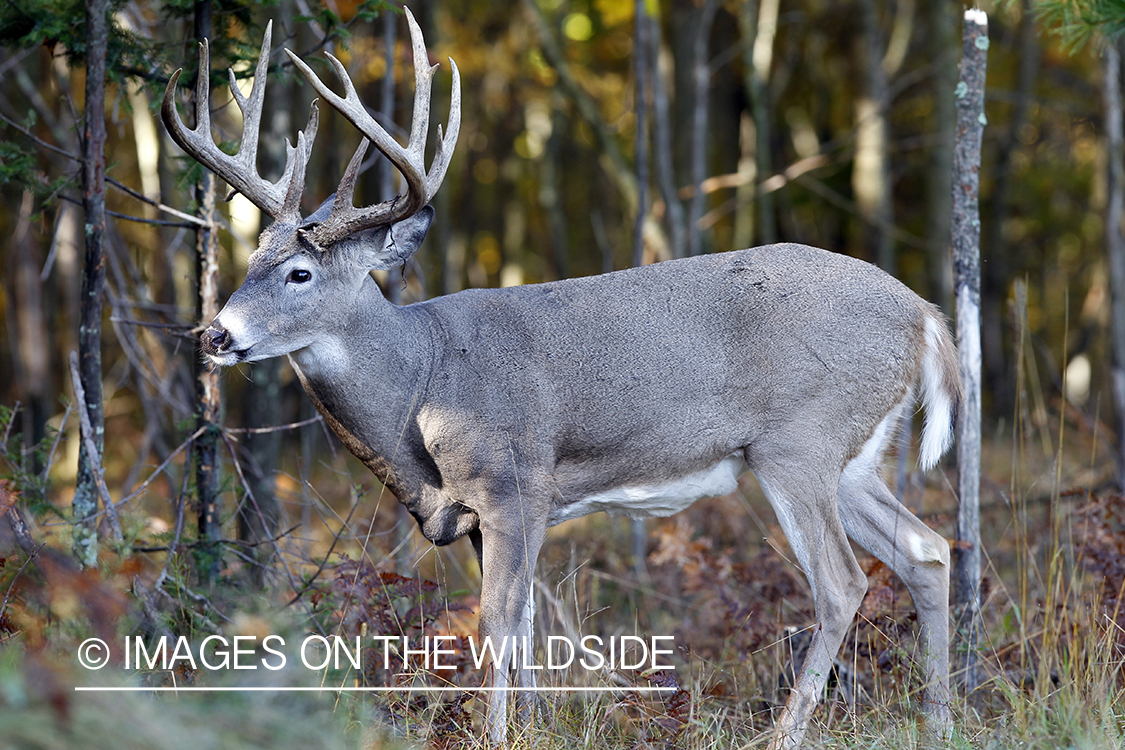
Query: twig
x=275, y=428
x=179, y=527
x=92, y=449
x=55, y=442
x=156, y=472
x=200, y=599
x=19, y=530
x=231, y=542
x=148, y=607
x=174, y=328
x=8, y=429
x=324, y=562
x=150, y=324
x=250, y=494
x=15, y=578
x=40, y=141
x=154, y=222
x=193, y=220
x=188, y=218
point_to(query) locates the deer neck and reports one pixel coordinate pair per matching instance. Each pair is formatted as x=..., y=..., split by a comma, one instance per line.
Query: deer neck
x=364, y=375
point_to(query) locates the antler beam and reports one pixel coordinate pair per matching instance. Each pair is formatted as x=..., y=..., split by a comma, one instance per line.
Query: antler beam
x=345, y=218
x=280, y=200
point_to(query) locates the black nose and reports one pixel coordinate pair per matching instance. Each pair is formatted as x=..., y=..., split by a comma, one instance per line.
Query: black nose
x=215, y=339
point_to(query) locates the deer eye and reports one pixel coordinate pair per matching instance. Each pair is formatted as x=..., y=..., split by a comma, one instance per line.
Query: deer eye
x=299, y=276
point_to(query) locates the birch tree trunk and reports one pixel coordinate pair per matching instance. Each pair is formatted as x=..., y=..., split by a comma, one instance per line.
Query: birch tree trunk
x=759, y=21
x=966, y=288
x=85, y=504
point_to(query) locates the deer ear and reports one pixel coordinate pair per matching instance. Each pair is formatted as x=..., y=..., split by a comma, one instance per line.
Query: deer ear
x=391, y=248
x=321, y=213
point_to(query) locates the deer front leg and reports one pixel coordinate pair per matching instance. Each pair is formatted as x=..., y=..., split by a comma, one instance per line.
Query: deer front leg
x=509, y=552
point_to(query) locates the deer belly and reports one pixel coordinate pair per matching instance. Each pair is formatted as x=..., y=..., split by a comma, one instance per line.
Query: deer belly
x=642, y=501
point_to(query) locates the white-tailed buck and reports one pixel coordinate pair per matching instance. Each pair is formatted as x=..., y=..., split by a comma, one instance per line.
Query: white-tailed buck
x=495, y=414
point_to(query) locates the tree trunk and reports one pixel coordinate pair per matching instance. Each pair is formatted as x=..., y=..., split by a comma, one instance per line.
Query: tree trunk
x=258, y=519
x=205, y=448
x=701, y=77
x=640, y=104
x=662, y=143
x=759, y=21
x=93, y=282
x=966, y=285
x=618, y=171
x=940, y=35
x=259, y=514
x=550, y=194
x=871, y=175
x=1115, y=242
x=31, y=359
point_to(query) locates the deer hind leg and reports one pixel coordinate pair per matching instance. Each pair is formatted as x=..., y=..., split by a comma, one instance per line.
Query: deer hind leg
x=919, y=556
x=808, y=516
x=506, y=612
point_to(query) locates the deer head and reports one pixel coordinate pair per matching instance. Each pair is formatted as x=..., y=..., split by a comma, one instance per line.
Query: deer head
x=301, y=262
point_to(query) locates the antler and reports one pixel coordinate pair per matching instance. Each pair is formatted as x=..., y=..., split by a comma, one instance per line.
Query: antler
x=280, y=200
x=345, y=218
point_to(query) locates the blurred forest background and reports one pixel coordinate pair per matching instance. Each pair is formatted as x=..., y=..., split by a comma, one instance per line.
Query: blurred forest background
x=596, y=134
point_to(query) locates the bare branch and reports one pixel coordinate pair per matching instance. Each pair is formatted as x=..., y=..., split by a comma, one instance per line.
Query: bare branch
x=92, y=449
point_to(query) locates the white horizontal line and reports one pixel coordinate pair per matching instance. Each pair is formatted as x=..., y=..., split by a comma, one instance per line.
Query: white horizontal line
x=424, y=689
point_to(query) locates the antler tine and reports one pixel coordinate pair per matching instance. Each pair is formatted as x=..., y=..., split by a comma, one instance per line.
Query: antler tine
x=346, y=190
x=296, y=161
x=240, y=171
x=423, y=77
x=409, y=160
x=443, y=151
x=351, y=107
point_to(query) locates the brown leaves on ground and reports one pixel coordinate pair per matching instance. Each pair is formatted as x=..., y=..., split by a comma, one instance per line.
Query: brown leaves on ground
x=732, y=604
x=451, y=727
x=1099, y=539
x=52, y=589
x=676, y=704
x=359, y=600
x=880, y=599
x=741, y=614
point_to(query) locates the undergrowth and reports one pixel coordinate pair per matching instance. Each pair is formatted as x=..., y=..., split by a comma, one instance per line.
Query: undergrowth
x=1051, y=661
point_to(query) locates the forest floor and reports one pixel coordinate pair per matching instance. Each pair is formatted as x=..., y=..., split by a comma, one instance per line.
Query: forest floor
x=717, y=583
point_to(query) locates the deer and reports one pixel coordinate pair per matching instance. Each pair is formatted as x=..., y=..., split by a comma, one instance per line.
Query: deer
x=495, y=414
